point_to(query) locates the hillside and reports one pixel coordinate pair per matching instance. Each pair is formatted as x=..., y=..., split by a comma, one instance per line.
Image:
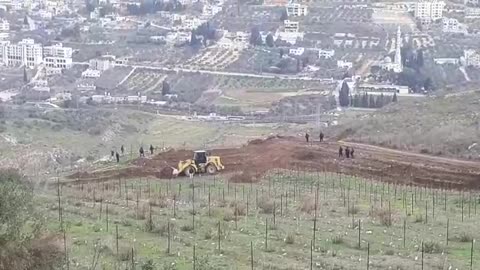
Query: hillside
x=444, y=125
x=40, y=139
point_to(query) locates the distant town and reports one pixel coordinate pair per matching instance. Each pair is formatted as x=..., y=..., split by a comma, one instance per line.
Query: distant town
x=151, y=52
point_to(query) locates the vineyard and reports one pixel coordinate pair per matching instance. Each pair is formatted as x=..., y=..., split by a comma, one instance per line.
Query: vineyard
x=284, y=218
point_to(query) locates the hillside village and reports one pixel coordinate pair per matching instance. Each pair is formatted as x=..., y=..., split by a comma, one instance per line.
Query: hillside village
x=151, y=52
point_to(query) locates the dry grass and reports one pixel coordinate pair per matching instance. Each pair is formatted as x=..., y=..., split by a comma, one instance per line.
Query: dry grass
x=308, y=204
x=266, y=205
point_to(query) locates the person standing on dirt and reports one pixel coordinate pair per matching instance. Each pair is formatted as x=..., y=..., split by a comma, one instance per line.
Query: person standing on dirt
x=117, y=155
x=340, y=151
x=112, y=153
x=307, y=137
x=347, y=152
x=151, y=149
x=142, y=153
x=351, y=152
x=122, y=149
x=321, y=136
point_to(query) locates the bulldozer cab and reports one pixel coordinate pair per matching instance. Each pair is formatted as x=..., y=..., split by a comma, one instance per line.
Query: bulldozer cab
x=200, y=157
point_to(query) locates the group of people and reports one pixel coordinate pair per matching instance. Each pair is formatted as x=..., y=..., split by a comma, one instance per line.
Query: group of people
x=122, y=150
x=307, y=136
x=349, y=152
x=142, y=152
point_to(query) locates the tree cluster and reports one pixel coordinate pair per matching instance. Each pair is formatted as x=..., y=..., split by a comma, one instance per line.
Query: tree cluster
x=371, y=101
x=206, y=30
x=256, y=37
x=365, y=100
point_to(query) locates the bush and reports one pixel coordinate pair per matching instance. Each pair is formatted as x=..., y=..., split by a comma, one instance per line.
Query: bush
x=308, y=204
x=465, y=238
x=239, y=209
x=20, y=230
x=290, y=239
x=266, y=205
x=337, y=239
x=353, y=210
x=187, y=228
x=385, y=217
x=431, y=247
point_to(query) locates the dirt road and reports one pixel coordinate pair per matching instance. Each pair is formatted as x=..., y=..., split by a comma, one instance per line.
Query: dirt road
x=260, y=156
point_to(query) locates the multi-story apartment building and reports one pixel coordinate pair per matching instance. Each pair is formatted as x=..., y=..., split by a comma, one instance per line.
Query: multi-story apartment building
x=291, y=26
x=472, y=57
x=26, y=53
x=4, y=30
x=57, y=56
x=451, y=25
x=429, y=10
x=294, y=9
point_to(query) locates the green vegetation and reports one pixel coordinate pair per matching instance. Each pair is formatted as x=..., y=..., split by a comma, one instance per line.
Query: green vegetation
x=21, y=243
x=443, y=125
x=222, y=221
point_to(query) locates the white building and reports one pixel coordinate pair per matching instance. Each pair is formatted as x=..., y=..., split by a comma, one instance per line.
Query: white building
x=91, y=73
x=429, y=10
x=344, y=64
x=386, y=89
x=103, y=63
x=4, y=30
x=4, y=25
x=209, y=11
x=291, y=26
x=289, y=37
x=472, y=57
x=396, y=65
x=189, y=24
x=57, y=56
x=294, y=9
x=26, y=53
x=471, y=2
x=297, y=51
x=443, y=61
x=451, y=25
x=327, y=54
x=234, y=40
x=471, y=13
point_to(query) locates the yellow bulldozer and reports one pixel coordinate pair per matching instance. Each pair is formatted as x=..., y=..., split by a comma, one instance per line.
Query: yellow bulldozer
x=201, y=162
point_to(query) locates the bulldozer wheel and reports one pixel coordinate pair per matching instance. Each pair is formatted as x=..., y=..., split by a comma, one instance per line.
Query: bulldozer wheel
x=211, y=169
x=190, y=171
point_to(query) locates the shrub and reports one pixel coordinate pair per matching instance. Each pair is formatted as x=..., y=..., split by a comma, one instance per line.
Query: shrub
x=158, y=201
x=187, y=228
x=418, y=218
x=163, y=230
x=389, y=252
x=308, y=204
x=228, y=215
x=385, y=217
x=337, y=239
x=266, y=205
x=353, y=210
x=431, y=247
x=465, y=238
x=290, y=239
x=239, y=209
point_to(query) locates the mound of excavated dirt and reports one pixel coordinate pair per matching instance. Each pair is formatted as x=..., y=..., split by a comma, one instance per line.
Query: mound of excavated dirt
x=259, y=156
x=166, y=173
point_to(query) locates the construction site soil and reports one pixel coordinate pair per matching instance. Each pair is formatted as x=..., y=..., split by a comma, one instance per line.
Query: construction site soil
x=250, y=162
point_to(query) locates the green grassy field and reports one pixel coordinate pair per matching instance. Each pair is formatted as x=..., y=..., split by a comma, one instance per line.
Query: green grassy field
x=164, y=222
